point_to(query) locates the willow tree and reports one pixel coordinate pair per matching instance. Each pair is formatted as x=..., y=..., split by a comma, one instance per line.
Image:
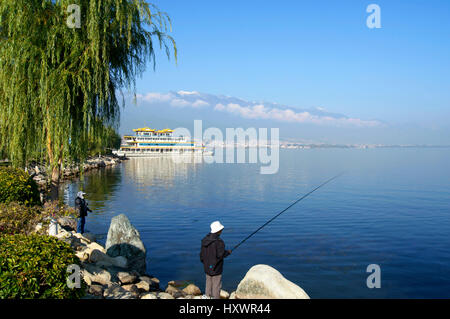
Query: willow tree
x=60, y=80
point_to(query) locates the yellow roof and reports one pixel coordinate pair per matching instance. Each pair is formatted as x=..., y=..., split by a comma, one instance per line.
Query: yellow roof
x=144, y=129
x=166, y=130
x=147, y=129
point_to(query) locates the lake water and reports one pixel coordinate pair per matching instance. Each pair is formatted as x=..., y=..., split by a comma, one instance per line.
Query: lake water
x=391, y=208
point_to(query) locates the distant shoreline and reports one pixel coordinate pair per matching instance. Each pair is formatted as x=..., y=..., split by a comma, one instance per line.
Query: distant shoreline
x=288, y=145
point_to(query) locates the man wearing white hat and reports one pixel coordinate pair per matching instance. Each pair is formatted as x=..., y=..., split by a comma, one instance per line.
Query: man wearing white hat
x=211, y=255
x=82, y=209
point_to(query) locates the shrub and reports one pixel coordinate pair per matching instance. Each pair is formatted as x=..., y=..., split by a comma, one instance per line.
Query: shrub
x=35, y=266
x=57, y=209
x=16, y=218
x=17, y=186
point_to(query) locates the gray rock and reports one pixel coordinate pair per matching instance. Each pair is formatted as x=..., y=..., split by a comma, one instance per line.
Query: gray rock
x=265, y=282
x=175, y=292
x=148, y=296
x=192, y=289
x=152, y=281
x=165, y=295
x=96, y=290
x=143, y=286
x=68, y=223
x=224, y=294
x=132, y=288
x=104, y=260
x=124, y=240
x=126, y=278
x=101, y=277
x=115, y=291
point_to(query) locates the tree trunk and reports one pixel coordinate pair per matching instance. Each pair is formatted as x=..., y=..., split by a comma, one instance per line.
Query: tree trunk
x=54, y=184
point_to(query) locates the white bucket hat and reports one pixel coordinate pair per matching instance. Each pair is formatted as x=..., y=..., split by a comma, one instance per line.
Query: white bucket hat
x=81, y=194
x=216, y=227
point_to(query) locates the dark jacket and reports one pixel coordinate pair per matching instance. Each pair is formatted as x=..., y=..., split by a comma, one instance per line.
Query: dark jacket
x=212, y=254
x=81, y=207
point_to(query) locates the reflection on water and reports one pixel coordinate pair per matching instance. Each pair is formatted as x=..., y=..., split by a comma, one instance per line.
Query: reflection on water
x=99, y=185
x=151, y=171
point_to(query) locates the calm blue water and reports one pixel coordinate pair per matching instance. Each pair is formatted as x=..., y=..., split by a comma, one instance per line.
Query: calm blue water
x=391, y=208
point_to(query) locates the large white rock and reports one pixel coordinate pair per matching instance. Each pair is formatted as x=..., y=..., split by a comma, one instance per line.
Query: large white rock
x=265, y=282
x=124, y=240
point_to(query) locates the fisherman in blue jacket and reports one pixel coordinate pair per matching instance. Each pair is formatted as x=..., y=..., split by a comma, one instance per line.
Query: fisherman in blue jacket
x=212, y=255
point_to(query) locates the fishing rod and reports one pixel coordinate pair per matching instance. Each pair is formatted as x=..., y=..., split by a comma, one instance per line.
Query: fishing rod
x=298, y=200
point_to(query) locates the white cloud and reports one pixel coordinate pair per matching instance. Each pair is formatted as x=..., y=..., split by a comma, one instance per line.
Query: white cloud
x=188, y=93
x=179, y=103
x=154, y=97
x=259, y=111
x=253, y=110
x=200, y=103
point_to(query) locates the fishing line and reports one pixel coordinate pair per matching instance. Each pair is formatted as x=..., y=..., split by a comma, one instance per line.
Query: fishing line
x=298, y=200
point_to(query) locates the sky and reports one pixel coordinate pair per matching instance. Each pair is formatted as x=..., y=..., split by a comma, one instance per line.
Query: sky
x=312, y=55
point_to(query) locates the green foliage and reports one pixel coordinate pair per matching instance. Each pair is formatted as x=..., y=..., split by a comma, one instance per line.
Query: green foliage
x=17, y=218
x=57, y=209
x=104, y=142
x=16, y=185
x=59, y=85
x=35, y=266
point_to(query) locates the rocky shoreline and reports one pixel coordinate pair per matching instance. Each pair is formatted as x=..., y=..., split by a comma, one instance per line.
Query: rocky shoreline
x=39, y=173
x=117, y=271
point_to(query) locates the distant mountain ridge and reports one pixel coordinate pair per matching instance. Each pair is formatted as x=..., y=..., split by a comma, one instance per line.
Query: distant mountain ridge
x=313, y=125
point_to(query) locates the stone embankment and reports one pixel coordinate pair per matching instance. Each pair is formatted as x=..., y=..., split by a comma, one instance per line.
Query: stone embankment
x=39, y=172
x=117, y=271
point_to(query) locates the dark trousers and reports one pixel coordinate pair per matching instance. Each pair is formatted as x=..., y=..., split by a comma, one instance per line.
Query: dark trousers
x=80, y=224
x=213, y=286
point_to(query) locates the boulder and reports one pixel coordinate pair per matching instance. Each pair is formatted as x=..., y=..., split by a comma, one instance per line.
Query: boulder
x=96, y=290
x=124, y=240
x=152, y=281
x=132, y=288
x=76, y=243
x=224, y=294
x=61, y=233
x=148, y=296
x=95, y=246
x=104, y=260
x=68, y=223
x=180, y=284
x=165, y=295
x=101, y=277
x=192, y=289
x=126, y=278
x=82, y=256
x=143, y=286
x=115, y=291
x=265, y=282
x=175, y=292
x=233, y=295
